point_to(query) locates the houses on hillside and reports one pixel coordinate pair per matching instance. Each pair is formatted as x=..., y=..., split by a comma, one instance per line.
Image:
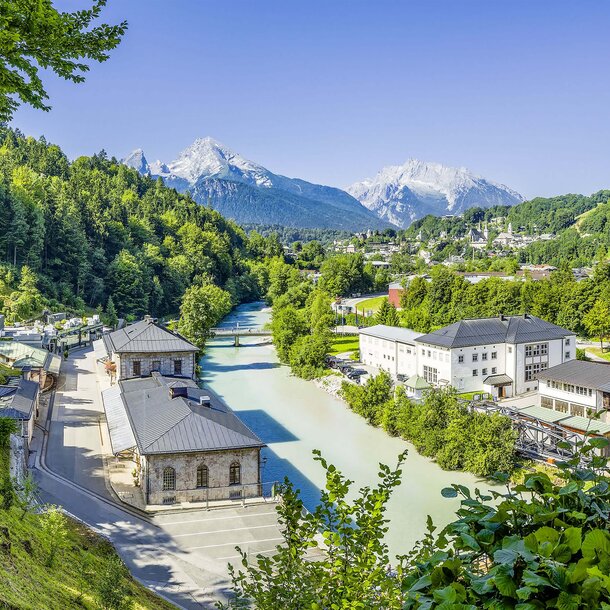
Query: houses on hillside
x=501, y=356
x=19, y=401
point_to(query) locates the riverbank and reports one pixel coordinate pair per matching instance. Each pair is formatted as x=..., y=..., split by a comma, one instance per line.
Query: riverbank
x=294, y=417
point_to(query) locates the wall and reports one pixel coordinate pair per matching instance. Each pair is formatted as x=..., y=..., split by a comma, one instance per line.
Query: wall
x=589, y=402
x=394, y=295
x=166, y=359
x=185, y=464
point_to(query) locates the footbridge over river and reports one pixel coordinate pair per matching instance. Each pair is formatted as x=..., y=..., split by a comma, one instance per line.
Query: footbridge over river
x=236, y=332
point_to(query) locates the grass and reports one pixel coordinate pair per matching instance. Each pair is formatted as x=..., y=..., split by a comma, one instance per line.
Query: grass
x=6, y=372
x=596, y=351
x=471, y=395
x=372, y=304
x=27, y=583
x=342, y=344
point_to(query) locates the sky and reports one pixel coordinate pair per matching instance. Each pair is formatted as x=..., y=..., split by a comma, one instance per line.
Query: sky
x=331, y=91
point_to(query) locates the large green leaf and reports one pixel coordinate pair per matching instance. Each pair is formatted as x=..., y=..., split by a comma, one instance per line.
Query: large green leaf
x=596, y=543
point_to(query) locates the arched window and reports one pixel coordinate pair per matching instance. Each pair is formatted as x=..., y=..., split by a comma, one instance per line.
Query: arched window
x=202, y=475
x=169, y=479
x=235, y=474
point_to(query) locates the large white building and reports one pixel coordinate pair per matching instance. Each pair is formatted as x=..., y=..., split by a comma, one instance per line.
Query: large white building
x=577, y=388
x=501, y=356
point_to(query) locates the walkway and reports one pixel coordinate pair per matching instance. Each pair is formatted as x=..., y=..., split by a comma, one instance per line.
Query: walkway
x=181, y=555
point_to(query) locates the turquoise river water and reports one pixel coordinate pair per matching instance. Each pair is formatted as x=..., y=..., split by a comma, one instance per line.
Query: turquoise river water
x=293, y=417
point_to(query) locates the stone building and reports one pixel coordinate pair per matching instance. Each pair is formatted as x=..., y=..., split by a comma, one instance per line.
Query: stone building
x=188, y=445
x=145, y=347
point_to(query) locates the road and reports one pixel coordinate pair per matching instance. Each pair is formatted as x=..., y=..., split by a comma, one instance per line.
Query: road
x=182, y=555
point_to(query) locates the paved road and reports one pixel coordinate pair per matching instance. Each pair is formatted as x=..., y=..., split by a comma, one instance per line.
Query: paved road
x=181, y=555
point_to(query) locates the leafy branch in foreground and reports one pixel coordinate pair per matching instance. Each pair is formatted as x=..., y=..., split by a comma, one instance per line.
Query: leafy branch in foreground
x=540, y=544
x=35, y=35
x=334, y=557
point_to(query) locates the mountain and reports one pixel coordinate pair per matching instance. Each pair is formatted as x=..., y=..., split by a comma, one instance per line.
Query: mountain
x=247, y=192
x=402, y=193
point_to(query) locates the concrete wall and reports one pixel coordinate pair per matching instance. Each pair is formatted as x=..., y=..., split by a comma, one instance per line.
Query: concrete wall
x=397, y=358
x=185, y=464
x=124, y=364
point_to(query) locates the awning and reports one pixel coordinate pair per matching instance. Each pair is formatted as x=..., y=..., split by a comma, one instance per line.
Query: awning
x=99, y=349
x=119, y=427
x=417, y=383
x=497, y=380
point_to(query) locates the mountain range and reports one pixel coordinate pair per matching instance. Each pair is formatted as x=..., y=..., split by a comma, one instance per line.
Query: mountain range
x=247, y=192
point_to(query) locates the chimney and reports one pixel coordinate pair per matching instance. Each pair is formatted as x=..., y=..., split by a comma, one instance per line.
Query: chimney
x=177, y=391
x=502, y=318
x=526, y=316
x=148, y=319
x=205, y=401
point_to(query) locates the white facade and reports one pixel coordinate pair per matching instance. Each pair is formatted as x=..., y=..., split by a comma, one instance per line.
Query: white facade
x=501, y=368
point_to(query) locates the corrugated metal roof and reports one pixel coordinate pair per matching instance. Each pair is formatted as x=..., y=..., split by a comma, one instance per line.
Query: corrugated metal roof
x=417, y=383
x=99, y=349
x=121, y=435
x=391, y=333
x=487, y=331
x=53, y=364
x=14, y=351
x=581, y=424
x=595, y=375
x=548, y=415
x=162, y=424
x=146, y=337
x=17, y=401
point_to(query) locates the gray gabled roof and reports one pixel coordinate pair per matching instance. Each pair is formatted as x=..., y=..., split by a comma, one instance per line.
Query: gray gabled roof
x=17, y=401
x=595, y=375
x=487, y=331
x=162, y=424
x=146, y=337
x=391, y=333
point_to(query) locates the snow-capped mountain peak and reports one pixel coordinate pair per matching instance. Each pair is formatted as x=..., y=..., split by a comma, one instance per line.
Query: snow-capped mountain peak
x=402, y=193
x=137, y=161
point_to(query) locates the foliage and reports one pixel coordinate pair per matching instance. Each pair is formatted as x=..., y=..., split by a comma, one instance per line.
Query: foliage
x=387, y=314
x=350, y=569
x=344, y=274
x=202, y=308
x=93, y=228
x=37, y=36
x=597, y=321
x=8, y=426
x=287, y=325
x=308, y=354
x=112, y=589
x=441, y=427
x=54, y=533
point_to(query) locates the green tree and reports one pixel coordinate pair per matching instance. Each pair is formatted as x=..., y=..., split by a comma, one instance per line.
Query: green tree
x=351, y=569
x=8, y=426
x=202, y=308
x=381, y=316
x=597, y=321
x=54, y=533
x=112, y=586
x=111, y=317
x=27, y=300
x=287, y=325
x=36, y=35
x=308, y=353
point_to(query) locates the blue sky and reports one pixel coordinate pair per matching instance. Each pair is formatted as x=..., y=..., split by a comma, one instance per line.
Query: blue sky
x=331, y=91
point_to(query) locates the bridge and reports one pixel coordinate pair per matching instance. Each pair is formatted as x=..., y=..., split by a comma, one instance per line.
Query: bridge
x=236, y=332
x=542, y=439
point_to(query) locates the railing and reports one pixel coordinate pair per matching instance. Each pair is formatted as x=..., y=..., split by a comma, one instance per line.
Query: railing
x=242, y=332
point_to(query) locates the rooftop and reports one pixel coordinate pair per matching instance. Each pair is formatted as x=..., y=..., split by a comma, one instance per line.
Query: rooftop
x=486, y=331
x=391, y=333
x=594, y=375
x=17, y=400
x=22, y=354
x=146, y=336
x=162, y=424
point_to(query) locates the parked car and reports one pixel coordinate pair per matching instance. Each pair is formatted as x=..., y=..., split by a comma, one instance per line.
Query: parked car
x=333, y=362
x=356, y=373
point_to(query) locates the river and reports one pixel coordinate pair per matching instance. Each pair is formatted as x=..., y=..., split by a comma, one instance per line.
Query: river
x=294, y=417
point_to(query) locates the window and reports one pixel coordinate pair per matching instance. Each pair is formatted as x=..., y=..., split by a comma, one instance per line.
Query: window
x=494, y=355
x=177, y=367
x=430, y=374
x=568, y=341
x=202, y=475
x=136, y=367
x=169, y=479
x=475, y=372
x=537, y=349
x=531, y=370
x=577, y=410
x=484, y=356
x=156, y=365
x=484, y=372
x=475, y=357
x=494, y=370
x=510, y=349
x=567, y=355
x=561, y=406
x=546, y=402
x=235, y=474
x=460, y=358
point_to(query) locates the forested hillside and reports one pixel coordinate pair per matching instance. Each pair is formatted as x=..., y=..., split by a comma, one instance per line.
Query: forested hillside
x=94, y=230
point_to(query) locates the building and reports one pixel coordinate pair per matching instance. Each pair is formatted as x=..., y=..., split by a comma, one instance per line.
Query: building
x=38, y=361
x=390, y=348
x=501, y=356
x=19, y=401
x=576, y=387
x=144, y=347
x=395, y=291
x=187, y=444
